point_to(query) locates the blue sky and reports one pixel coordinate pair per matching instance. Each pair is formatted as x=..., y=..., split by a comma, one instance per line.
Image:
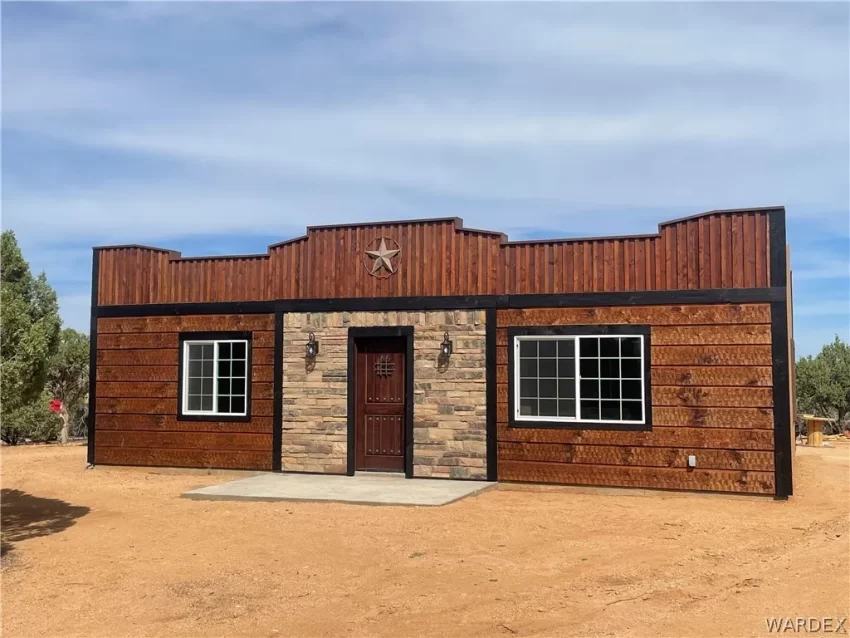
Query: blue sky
x=222, y=128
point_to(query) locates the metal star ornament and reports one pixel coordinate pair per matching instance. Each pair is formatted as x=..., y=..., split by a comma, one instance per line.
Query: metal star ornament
x=382, y=257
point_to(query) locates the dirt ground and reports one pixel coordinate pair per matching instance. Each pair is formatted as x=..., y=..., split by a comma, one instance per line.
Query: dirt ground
x=115, y=552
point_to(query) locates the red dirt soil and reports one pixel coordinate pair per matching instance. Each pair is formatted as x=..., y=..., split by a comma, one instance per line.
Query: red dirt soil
x=115, y=552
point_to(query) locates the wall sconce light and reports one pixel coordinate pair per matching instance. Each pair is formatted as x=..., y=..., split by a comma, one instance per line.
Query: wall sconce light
x=312, y=347
x=446, y=346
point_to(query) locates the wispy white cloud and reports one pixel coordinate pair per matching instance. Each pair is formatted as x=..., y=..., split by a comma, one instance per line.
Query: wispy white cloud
x=435, y=105
x=133, y=212
x=827, y=269
x=824, y=308
x=156, y=121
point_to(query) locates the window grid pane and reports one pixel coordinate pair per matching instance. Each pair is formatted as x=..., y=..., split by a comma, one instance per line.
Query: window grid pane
x=199, y=391
x=232, y=366
x=546, y=377
x=217, y=377
x=604, y=364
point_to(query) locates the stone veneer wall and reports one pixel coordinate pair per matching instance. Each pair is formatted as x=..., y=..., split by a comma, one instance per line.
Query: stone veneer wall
x=449, y=405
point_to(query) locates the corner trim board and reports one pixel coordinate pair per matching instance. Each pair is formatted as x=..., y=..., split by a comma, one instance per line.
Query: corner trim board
x=408, y=403
x=95, y=275
x=277, y=424
x=351, y=406
x=782, y=440
x=779, y=339
x=492, y=397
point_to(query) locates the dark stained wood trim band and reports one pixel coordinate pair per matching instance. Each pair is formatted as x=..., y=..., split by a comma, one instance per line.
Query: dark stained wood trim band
x=644, y=298
x=630, y=329
x=782, y=440
x=95, y=274
x=178, y=309
x=382, y=331
x=408, y=403
x=277, y=421
x=366, y=304
x=351, y=405
x=218, y=418
x=491, y=427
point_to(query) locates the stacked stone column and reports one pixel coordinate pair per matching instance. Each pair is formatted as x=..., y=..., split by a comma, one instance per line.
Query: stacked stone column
x=449, y=411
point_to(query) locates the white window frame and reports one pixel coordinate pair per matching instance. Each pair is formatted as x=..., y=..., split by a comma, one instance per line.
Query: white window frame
x=185, y=411
x=577, y=358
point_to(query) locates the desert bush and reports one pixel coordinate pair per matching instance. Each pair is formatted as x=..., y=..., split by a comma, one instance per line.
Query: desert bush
x=31, y=422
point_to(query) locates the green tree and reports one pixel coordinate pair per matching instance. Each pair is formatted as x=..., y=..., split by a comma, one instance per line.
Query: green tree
x=68, y=377
x=29, y=336
x=823, y=382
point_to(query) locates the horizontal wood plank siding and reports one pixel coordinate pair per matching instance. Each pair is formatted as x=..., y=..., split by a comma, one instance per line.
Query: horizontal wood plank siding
x=694, y=315
x=257, y=425
x=440, y=258
x=193, y=458
x=136, y=373
x=716, y=417
x=636, y=456
x=186, y=440
x=137, y=406
x=125, y=389
x=646, y=477
x=712, y=397
x=659, y=436
x=730, y=376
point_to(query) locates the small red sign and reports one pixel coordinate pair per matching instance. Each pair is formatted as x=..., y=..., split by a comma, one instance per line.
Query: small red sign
x=55, y=405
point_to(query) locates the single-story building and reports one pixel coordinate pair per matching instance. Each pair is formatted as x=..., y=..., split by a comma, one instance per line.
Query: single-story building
x=435, y=350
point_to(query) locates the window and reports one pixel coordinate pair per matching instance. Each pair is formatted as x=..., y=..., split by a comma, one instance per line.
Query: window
x=587, y=378
x=215, y=377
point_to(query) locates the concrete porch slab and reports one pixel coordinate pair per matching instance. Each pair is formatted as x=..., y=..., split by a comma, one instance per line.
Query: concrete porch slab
x=364, y=488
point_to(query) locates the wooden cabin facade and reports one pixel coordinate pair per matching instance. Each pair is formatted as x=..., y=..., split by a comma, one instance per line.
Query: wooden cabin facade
x=652, y=361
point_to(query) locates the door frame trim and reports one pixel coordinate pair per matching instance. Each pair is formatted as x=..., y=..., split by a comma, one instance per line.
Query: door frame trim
x=381, y=331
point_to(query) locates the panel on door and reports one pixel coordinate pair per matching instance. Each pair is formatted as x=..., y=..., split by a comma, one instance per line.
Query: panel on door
x=380, y=400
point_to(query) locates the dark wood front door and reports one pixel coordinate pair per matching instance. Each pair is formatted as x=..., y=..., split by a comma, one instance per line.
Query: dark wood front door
x=379, y=404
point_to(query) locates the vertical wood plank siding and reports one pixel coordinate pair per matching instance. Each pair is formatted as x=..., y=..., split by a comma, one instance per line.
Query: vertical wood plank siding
x=439, y=258
x=712, y=396
x=136, y=408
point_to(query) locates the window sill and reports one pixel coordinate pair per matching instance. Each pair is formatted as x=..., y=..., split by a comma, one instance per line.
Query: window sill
x=215, y=418
x=579, y=425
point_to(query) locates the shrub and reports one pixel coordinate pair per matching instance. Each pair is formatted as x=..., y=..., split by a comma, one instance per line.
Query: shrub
x=33, y=421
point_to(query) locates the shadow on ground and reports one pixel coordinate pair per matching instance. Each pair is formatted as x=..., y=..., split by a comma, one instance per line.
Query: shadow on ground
x=25, y=516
